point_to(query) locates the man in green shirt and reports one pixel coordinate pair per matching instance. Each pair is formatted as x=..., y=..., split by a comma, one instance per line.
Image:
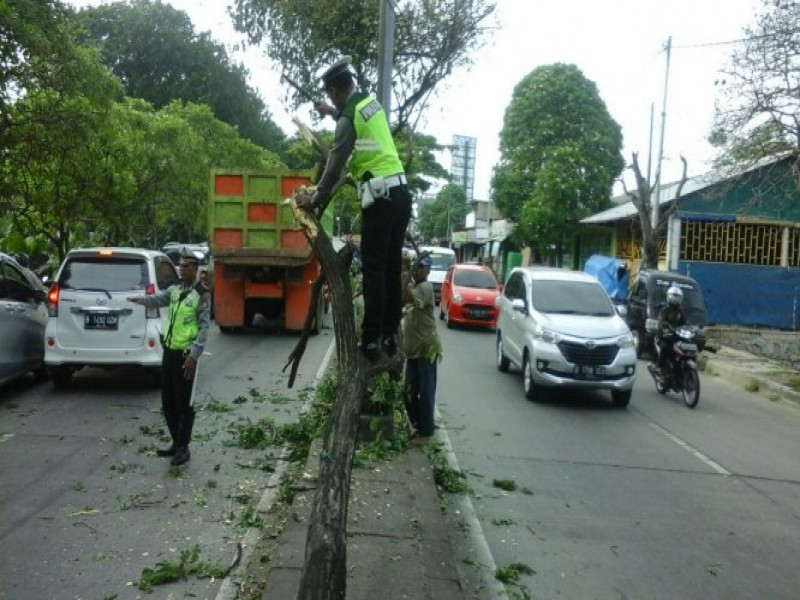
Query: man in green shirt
x=183, y=342
x=363, y=135
x=422, y=348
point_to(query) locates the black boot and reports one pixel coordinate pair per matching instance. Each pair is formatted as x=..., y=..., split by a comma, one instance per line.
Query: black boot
x=185, y=426
x=169, y=451
x=182, y=456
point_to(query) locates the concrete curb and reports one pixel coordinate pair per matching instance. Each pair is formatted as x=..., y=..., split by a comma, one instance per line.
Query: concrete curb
x=228, y=589
x=739, y=369
x=482, y=578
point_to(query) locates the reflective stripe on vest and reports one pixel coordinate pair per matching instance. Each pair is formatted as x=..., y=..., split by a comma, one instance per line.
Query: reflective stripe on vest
x=182, y=319
x=374, y=150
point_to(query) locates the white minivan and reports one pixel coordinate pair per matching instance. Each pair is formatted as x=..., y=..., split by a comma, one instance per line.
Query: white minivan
x=562, y=330
x=92, y=323
x=441, y=260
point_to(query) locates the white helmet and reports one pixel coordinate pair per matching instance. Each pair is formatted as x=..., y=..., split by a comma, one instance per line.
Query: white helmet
x=674, y=295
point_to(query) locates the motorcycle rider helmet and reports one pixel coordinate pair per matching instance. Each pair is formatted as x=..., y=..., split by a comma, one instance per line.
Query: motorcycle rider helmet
x=674, y=295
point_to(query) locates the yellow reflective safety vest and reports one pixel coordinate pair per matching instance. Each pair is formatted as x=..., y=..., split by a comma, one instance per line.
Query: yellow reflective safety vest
x=374, y=151
x=182, y=327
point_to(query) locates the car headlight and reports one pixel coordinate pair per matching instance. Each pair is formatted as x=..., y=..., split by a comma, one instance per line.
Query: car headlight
x=546, y=335
x=625, y=341
x=456, y=298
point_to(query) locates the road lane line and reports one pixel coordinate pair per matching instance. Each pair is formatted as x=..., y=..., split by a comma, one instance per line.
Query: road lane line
x=228, y=589
x=692, y=450
x=466, y=511
x=5, y=437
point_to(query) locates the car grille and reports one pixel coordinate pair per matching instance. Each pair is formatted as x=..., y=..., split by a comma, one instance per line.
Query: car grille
x=581, y=355
x=479, y=312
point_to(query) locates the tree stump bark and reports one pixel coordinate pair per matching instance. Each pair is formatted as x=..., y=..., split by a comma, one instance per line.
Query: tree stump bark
x=325, y=565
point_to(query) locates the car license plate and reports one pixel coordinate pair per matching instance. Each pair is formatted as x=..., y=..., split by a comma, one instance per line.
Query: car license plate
x=479, y=314
x=689, y=347
x=100, y=321
x=587, y=372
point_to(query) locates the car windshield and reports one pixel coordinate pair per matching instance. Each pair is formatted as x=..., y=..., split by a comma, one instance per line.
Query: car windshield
x=441, y=262
x=475, y=279
x=571, y=298
x=117, y=275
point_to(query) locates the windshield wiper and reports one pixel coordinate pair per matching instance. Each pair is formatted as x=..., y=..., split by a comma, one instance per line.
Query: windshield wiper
x=563, y=312
x=106, y=292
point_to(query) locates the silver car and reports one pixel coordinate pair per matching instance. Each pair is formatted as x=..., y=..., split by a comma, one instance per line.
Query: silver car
x=562, y=330
x=23, y=318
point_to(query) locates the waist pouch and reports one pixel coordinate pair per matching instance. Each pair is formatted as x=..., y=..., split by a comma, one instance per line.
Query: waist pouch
x=371, y=190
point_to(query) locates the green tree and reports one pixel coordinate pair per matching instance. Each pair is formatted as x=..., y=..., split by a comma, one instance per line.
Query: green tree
x=38, y=52
x=757, y=113
x=432, y=38
x=560, y=152
x=438, y=219
x=156, y=53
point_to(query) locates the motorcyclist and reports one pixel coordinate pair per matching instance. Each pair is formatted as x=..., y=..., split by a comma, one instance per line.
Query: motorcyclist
x=669, y=319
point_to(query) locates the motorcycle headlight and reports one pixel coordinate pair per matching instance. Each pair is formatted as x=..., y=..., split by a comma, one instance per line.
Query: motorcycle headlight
x=625, y=341
x=546, y=335
x=456, y=298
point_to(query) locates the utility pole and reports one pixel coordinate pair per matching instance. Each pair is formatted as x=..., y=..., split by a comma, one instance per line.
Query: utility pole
x=657, y=203
x=386, y=55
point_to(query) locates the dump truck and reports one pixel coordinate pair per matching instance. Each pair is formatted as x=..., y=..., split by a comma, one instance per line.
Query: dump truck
x=262, y=262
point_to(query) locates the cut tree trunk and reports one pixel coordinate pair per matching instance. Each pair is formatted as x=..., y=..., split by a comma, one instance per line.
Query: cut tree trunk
x=325, y=566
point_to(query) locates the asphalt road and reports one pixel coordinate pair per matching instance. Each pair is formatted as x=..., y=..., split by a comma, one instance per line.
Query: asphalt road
x=653, y=501
x=85, y=505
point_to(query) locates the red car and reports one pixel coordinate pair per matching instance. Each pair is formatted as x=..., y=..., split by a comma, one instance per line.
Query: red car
x=468, y=296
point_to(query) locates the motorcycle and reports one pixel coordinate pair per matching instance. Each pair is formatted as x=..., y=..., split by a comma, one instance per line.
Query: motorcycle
x=682, y=374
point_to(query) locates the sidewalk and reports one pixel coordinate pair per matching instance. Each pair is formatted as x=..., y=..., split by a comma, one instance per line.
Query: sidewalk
x=768, y=378
x=397, y=539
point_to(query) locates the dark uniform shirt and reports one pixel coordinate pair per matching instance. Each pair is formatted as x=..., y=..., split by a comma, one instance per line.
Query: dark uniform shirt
x=672, y=315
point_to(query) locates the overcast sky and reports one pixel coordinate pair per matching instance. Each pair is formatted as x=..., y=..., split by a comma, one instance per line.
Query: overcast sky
x=618, y=44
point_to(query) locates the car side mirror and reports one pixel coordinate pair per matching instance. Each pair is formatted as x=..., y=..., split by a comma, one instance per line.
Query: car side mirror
x=622, y=310
x=518, y=305
x=40, y=296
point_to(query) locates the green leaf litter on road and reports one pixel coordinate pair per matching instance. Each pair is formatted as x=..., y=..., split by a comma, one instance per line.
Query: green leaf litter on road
x=189, y=563
x=508, y=485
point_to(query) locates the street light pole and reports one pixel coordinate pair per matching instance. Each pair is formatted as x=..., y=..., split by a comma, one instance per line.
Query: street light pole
x=385, y=55
x=657, y=203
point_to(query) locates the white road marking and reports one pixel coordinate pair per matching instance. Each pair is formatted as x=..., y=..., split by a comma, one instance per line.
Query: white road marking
x=5, y=437
x=692, y=450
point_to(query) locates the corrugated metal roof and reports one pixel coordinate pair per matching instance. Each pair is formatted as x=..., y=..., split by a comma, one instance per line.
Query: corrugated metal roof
x=626, y=210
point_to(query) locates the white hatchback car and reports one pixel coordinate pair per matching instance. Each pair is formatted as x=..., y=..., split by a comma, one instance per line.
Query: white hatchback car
x=562, y=330
x=92, y=323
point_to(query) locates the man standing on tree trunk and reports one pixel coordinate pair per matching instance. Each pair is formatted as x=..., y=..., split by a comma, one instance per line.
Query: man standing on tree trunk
x=362, y=130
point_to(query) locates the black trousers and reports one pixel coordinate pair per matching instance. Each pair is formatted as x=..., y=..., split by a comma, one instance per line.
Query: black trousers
x=176, y=396
x=383, y=229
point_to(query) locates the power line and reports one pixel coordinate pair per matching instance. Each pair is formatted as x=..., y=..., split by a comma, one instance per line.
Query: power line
x=738, y=41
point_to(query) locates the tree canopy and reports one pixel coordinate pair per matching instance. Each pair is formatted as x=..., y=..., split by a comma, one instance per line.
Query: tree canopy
x=81, y=163
x=758, y=112
x=560, y=152
x=157, y=55
x=438, y=219
x=432, y=38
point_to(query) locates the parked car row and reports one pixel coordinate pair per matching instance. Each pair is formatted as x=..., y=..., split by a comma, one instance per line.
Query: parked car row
x=84, y=318
x=23, y=318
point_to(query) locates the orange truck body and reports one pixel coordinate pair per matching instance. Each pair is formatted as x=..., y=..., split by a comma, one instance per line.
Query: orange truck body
x=262, y=260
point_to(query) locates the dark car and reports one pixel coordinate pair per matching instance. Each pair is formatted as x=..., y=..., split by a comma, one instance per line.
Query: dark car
x=23, y=318
x=649, y=296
